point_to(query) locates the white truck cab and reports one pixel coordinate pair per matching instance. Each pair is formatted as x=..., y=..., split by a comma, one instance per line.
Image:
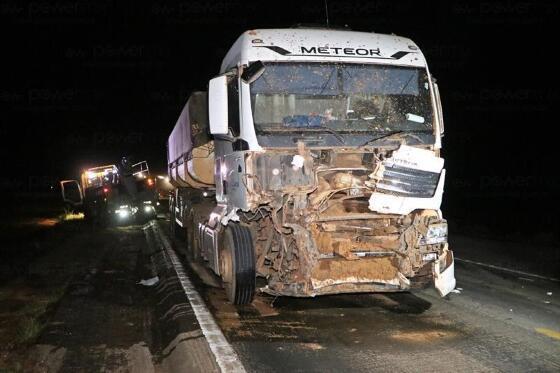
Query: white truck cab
x=327, y=172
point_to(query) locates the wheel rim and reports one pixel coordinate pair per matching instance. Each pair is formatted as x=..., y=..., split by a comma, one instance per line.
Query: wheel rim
x=226, y=265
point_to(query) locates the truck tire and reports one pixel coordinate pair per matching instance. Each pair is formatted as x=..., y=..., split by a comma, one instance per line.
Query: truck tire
x=174, y=228
x=172, y=222
x=237, y=264
x=191, y=231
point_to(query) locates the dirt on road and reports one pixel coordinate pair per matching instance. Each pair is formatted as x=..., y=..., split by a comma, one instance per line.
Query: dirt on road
x=81, y=298
x=71, y=300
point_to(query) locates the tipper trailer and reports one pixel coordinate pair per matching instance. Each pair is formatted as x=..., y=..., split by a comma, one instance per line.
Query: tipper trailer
x=313, y=162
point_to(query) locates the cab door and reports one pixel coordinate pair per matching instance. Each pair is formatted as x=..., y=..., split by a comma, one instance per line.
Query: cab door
x=72, y=194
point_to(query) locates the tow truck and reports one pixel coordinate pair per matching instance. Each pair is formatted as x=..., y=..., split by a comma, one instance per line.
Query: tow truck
x=112, y=194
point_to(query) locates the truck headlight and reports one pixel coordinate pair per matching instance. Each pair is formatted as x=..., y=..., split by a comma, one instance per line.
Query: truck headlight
x=437, y=233
x=123, y=214
x=123, y=211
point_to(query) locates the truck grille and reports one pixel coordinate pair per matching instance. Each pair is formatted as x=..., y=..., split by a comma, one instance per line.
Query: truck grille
x=408, y=182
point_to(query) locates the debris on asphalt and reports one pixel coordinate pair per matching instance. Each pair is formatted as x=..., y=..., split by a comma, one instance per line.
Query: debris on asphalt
x=149, y=282
x=312, y=346
x=264, y=308
x=549, y=293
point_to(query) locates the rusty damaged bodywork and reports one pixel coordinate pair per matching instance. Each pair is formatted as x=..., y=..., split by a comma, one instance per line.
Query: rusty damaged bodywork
x=315, y=233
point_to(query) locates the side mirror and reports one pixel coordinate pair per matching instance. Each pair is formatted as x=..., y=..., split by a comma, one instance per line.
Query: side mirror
x=439, y=110
x=218, y=105
x=252, y=72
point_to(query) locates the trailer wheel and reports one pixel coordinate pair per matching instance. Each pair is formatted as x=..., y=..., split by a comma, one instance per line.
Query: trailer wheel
x=172, y=222
x=191, y=230
x=237, y=264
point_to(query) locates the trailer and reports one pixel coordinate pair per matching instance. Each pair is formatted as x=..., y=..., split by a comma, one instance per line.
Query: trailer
x=313, y=164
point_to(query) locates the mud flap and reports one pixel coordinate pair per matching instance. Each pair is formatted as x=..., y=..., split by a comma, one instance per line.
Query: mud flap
x=444, y=281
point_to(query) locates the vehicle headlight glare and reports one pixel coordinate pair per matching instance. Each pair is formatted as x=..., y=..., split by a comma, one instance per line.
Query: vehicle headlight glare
x=122, y=213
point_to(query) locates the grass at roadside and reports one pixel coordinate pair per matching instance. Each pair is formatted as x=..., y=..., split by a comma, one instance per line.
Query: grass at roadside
x=34, y=315
x=32, y=283
x=24, y=312
x=37, y=262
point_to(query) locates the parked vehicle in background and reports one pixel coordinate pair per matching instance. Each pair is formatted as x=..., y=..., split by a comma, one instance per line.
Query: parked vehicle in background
x=112, y=193
x=163, y=190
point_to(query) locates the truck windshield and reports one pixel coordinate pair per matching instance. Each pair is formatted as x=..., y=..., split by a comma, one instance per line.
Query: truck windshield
x=346, y=98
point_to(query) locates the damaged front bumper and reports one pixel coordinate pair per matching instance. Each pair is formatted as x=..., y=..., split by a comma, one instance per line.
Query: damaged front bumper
x=337, y=276
x=330, y=222
x=444, y=273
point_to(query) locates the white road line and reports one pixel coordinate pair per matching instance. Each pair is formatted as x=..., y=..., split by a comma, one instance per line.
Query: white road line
x=507, y=269
x=227, y=359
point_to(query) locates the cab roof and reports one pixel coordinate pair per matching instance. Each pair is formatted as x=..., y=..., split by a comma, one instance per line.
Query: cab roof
x=322, y=45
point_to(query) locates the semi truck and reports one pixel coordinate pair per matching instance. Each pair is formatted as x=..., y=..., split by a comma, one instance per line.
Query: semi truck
x=312, y=166
x=112, y=193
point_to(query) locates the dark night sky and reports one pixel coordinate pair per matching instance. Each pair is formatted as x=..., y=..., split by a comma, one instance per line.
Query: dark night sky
x=86, y=82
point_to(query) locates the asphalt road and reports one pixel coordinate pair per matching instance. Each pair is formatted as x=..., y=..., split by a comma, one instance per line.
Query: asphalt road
x=499, y=321
x=496, y=323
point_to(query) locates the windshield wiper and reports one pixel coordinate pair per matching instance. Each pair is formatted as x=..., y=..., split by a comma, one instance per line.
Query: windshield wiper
x=307, y=129
x=399, y=134
x=331, y=131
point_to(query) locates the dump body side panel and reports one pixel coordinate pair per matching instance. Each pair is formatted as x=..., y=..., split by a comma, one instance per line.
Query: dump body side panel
x=189, y=148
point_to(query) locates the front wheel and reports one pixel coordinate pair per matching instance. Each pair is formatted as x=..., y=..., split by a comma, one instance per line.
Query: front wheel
x=237, y=264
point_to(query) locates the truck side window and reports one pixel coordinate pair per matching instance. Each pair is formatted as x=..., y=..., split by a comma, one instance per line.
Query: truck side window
x=233, y=104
